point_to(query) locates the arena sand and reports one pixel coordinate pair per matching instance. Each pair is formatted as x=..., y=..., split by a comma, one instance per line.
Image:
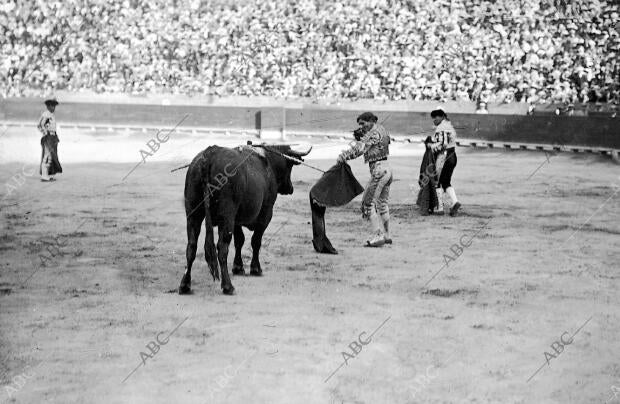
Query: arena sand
x=543, y=262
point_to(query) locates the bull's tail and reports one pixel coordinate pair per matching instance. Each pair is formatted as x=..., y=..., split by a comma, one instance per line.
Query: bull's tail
x=196, y=179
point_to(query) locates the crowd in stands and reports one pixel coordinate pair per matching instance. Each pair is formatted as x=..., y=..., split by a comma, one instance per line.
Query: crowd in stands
x=534, y=51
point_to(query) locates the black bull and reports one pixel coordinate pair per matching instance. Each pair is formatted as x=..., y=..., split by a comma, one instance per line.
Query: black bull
x=230, y=188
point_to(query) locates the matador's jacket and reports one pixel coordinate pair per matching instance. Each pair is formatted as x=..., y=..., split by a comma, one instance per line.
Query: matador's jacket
x=374, y=145
x=444, y=137
x=47, y=118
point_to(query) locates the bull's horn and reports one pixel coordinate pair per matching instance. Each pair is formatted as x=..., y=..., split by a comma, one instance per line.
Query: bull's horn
x=296, y=153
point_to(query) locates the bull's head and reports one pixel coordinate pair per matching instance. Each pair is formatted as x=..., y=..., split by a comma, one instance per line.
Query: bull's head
x=283, y=163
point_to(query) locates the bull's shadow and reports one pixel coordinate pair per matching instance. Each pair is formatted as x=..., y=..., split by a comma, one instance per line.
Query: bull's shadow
x=231, y=188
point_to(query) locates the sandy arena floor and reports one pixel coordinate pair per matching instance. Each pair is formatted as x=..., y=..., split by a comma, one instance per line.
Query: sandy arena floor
x=90, y=266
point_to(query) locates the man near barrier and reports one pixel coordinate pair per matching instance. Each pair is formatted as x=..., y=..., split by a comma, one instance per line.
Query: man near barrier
x=444, y=144
x=49, y=142
x=373, y=143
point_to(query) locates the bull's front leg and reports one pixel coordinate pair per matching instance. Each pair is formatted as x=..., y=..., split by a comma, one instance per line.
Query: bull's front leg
x=225, y=232
x=257, y=240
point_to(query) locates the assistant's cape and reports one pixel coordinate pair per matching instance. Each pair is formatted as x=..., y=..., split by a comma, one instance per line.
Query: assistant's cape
x=338, y=186
x=50, y=142
x=427, y=197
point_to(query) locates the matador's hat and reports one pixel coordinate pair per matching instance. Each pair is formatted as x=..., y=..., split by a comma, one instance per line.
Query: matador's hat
x=439, y=111
x=51, y=100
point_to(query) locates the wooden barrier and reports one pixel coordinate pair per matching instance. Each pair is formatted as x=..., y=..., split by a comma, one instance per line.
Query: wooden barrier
x=588, y=134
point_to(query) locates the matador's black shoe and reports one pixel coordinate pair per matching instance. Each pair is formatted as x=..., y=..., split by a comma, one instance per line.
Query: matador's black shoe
x=454, y=209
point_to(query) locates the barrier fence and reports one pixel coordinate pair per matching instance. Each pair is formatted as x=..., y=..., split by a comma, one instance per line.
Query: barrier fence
x=295, y=134
x=561, y=133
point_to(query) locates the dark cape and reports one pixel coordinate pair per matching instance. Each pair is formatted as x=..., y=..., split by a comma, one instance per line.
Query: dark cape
x=338, y=186
x=51, y=143
x=427, y=197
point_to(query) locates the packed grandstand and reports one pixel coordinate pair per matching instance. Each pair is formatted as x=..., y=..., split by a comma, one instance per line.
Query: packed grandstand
x=535, y=51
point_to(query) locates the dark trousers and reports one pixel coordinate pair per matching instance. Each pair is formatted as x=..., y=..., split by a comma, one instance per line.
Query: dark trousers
x=448, y=168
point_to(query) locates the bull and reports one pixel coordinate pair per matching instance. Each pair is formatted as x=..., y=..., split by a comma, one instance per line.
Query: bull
x=231, y=188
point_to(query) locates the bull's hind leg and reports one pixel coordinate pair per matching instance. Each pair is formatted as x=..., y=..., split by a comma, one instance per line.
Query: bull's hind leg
x=238, y=262
x=194, y=220
x=225, y=233
x=257, y=241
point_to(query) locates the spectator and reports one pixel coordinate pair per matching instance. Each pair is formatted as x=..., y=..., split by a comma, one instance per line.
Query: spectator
x=482, y=108
x=535, y=51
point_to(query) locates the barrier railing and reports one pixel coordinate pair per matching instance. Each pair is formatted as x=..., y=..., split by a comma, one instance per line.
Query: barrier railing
x=345, y=136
